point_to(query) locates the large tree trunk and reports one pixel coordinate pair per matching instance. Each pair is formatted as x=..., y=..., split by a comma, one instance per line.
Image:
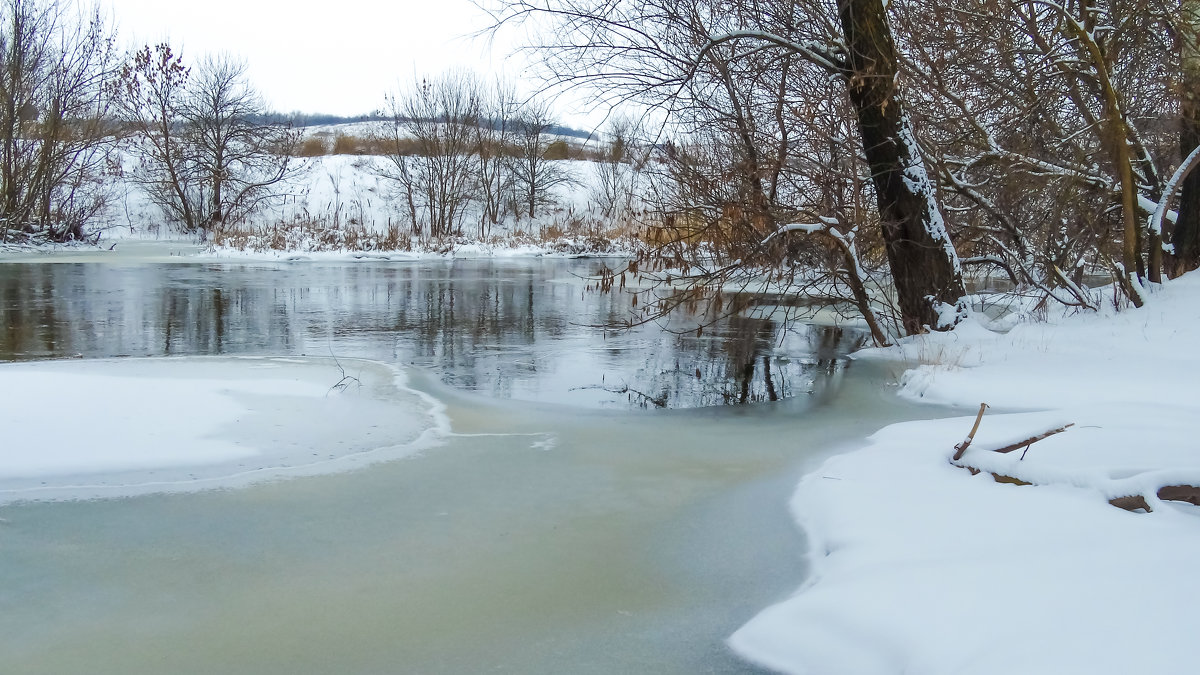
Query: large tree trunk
x=924, y=265
x=1185, y=238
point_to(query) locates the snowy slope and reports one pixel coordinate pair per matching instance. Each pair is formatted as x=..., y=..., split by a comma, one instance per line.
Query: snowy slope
x=918, y=566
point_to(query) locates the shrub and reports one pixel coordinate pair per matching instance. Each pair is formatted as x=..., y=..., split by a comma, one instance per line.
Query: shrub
x=557, y=150
x=313, y=146
x=347, y=145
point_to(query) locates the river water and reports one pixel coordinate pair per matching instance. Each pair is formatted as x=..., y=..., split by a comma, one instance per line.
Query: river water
x=609, y=501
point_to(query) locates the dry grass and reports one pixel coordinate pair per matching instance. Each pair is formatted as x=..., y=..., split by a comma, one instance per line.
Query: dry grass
x=345, y=144
x=313, y=146
x=676, y=228
x=552, y=231
x=568, y=231
x=351, y=144
x=309, y=235
x=558, y=149
x=562, y=231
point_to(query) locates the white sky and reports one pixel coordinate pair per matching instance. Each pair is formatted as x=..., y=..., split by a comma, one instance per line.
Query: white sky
x=336, y=57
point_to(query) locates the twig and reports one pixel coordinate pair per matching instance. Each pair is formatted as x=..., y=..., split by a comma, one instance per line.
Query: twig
x=656, y=401
x=346, y=380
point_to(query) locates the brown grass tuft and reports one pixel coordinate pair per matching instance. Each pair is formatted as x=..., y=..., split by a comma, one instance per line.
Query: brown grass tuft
x=313, y=146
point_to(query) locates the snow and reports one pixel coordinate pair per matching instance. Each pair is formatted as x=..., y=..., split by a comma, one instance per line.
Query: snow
x=916, y=565
x=78, y=429
x=342, y=206
x=823, y=53
x=947, y=314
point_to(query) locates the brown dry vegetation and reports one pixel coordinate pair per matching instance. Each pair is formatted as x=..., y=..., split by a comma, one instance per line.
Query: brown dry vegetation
x=348, y=144
x=313, y=234
x=324, y=143
x=566, y=232
x=313, y=146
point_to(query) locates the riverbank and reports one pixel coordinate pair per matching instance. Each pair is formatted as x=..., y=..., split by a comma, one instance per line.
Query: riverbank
x=917, y=565
x=184, y=249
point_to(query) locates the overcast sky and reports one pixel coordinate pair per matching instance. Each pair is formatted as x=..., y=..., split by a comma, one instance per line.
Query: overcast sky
x=338, y=56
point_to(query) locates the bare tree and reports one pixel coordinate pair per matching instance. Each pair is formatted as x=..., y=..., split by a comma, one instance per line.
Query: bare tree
x=494, y=135
x=619, y=167
x=55, y=129
x=241, y=157
x=1046, y=125
x=534, y=176
x=206, y=158
x=1186, y=236
x=681, y=56
x=923, y=261
x=432, y=143
x=154, y=82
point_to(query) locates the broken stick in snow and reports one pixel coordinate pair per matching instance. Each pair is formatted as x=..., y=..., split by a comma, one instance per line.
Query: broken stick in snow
x=962, y=447
x=1131, y=503
x=1180, y=493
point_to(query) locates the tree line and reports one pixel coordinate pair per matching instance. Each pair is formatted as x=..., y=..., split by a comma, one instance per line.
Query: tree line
x=865, y=152
x=893, y=145
x=78, y=115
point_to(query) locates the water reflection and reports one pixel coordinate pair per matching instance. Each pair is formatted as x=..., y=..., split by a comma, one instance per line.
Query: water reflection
x=519, y=329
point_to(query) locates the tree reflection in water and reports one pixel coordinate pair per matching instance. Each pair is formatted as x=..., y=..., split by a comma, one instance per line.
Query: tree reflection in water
x=520, y=329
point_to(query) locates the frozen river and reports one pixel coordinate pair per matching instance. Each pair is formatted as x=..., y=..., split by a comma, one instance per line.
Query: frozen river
x=522, y=329
x=568, y=524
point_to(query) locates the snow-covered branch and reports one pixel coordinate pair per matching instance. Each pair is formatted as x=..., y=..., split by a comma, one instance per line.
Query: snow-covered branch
x=829, y=55
x=1172, y=186
x=853, y=273
x=826, y=222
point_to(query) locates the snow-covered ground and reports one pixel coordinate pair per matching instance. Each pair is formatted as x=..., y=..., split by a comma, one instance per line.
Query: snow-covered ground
x=78, y=429
x=342, y=207
x=346, y=189
x=918, y=566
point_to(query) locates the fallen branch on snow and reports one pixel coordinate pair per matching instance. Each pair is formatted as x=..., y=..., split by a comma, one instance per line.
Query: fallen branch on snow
x=961, y=448
x=1033, y=439
x=1179, y=493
